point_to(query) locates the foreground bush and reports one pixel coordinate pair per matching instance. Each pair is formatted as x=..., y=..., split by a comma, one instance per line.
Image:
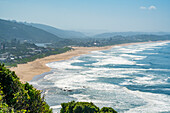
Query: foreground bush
x=107, y=110
x=18, y=97
x=84, y=107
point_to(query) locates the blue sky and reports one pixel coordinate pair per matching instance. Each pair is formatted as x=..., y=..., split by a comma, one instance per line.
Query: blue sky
x=86, y=15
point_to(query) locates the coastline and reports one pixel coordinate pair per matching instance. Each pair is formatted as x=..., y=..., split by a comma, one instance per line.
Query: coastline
x=27, y=71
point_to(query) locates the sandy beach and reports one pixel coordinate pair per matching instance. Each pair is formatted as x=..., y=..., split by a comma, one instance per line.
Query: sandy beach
x=27, y=71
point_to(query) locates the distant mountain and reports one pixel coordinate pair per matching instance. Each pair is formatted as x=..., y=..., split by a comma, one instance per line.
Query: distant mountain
x=59, y=32
x=13, y=30
x=112, y=34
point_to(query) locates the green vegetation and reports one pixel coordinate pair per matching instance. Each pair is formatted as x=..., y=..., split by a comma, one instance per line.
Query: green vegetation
x=67, y=34
x=11, y=30
x=107, y=110
x=14, y=52
x=39, y=55
x=3, y=106
x=84, y=107
x=17, y=46
x=18, y=97
x=47, y=34
x=121, y=40
x=98, y=42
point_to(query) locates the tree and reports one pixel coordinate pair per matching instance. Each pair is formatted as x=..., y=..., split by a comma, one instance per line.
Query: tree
x=21, y=97
x=84, y=107
x=107, y=110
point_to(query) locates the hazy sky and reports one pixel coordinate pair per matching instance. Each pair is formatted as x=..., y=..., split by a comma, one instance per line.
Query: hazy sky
x=108, y=15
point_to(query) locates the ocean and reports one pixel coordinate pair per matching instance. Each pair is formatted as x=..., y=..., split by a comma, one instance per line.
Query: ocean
x=130, y=79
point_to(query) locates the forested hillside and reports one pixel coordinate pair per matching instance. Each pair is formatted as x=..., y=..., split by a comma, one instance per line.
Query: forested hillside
x=13, y=30
x=59, y=32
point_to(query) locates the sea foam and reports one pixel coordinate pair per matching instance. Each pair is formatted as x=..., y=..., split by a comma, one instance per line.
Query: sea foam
x=127, y=78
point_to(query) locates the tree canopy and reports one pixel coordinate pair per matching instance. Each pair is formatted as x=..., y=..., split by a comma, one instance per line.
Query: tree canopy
x=84, y=107
x=19, y=97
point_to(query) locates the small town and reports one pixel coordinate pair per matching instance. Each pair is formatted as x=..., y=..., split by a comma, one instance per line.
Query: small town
x=12, y=51
x=15, y=52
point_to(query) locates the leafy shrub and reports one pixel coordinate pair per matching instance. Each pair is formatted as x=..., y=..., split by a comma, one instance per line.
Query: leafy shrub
x=107, y=110
x=17, y=97
x=84, y=107
x=21, y=97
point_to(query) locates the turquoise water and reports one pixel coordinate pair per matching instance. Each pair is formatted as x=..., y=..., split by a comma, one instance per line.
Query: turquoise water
x=134, y=78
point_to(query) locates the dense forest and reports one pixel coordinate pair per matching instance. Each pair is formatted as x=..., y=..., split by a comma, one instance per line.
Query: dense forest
x=17, y=97
x=14, y=30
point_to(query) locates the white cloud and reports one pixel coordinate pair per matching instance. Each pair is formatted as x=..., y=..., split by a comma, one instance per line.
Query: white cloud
x=152, y=7
x=142, y=7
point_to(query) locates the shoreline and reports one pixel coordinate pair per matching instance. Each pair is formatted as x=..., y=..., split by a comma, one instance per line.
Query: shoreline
x=27, y=71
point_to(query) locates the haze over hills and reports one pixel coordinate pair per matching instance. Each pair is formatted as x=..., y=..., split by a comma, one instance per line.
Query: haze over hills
x=13, y=30
x=80, y=35
x=111, y=34
x=84, y=54
x=39, y=33
x=58, y=32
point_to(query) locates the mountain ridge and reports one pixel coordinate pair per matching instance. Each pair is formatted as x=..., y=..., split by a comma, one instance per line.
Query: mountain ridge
x=111, y=34
x=67, y=34
x=14, y=30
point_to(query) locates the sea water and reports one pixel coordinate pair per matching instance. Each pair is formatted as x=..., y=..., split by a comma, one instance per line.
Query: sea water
x=130, y=79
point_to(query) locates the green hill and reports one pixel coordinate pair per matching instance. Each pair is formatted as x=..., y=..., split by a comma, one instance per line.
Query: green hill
x=13, y=30
x=59, y=32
